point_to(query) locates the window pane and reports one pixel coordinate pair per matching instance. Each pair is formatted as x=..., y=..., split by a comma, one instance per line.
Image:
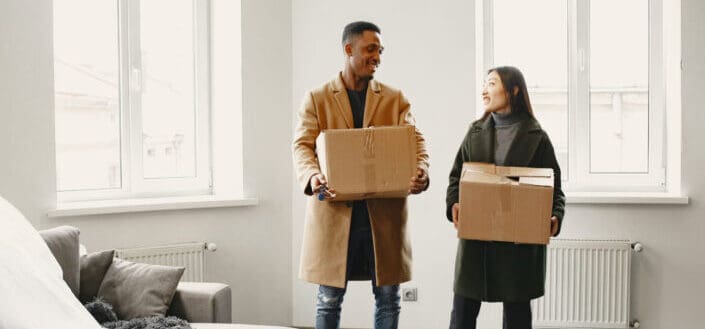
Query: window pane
x=532, y=36
x=86, y=84
x=168, y=102
x=619, y=82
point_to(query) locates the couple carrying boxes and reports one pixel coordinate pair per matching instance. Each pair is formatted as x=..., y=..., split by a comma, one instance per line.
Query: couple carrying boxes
x=358, y=155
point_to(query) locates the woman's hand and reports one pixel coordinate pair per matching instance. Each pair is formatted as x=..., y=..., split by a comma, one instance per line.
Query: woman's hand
x=455, y=210
x=554, y=225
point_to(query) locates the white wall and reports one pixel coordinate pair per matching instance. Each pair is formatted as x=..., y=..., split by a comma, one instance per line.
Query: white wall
x=290, y=47
x=27, y=169
x=253, y=255
x=430, y=56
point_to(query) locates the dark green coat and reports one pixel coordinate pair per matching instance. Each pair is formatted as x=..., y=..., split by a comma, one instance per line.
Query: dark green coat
x=503, y=271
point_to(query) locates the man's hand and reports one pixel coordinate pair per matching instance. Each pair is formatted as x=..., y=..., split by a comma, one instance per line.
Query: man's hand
x=455, y=210
x=419, y=182
x=554, y=225
x=318, y=181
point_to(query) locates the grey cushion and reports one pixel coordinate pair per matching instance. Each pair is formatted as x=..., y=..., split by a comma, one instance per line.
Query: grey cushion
x=63, y=243
x=93, y=269
x=137, y=290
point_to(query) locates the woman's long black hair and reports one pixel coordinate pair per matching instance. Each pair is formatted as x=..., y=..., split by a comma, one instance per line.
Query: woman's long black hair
x=513, y=78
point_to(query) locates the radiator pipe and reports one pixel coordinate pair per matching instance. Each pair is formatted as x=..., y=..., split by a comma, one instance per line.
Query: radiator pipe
x=637, y=246
x=634, y=324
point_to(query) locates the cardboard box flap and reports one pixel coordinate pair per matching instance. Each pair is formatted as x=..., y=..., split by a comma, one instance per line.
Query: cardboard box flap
x=479, y=167
x=482, y=177
x=524, y=172
x=539, y=181
x=523, y=175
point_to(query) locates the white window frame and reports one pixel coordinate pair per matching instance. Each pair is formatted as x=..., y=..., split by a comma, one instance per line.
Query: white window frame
x=133, y=184
x=579, y=178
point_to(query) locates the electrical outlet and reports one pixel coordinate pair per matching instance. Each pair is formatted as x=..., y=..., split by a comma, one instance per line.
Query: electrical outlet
x=409, y=294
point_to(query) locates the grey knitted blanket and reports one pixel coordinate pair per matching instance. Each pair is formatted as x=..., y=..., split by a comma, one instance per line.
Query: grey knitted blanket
x=104, y=314
x=154, y=322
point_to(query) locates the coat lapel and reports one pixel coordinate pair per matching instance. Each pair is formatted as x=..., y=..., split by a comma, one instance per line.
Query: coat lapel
x=374, y=95
x=482, y=142
x=342, y=100
x=524, y=145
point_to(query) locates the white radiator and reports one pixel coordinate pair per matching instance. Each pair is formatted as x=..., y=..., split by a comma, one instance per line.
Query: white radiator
x=587, y=285
x=188, y=255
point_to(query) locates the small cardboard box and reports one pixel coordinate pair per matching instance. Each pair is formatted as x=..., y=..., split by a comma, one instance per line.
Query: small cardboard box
x=512, y=204
x=369, y=162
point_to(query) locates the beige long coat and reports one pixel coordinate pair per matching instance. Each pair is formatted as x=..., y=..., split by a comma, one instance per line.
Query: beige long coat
x=327, y=226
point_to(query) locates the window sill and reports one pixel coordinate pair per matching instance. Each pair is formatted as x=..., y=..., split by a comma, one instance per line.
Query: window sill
x=624, y=198
x=71, y=209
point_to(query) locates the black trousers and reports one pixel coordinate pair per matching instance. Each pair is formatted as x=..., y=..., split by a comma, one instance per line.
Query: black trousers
x=465, y=310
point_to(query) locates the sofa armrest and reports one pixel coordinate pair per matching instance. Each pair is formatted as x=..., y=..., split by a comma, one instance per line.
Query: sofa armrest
x=202, y=302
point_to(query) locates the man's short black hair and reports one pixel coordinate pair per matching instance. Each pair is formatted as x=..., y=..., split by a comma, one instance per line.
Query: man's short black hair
x=356, y=28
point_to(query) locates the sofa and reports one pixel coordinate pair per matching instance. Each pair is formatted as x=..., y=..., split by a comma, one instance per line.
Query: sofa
x=193, y=301
x=40, y=282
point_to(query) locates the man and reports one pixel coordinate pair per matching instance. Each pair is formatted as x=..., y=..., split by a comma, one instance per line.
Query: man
x=360, y=240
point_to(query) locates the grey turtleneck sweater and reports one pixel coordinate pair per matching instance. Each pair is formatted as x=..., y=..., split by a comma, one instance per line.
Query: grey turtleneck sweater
x=506, y=127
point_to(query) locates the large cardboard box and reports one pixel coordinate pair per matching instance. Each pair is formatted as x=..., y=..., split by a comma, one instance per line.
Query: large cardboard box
x=369, y=162
x=511, y=204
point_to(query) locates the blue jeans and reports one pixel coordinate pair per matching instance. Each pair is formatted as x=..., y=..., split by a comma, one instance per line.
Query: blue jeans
x=330, y=299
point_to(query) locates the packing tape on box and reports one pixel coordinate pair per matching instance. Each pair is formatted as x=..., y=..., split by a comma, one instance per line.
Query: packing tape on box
x=369, y=143
x=368, y=152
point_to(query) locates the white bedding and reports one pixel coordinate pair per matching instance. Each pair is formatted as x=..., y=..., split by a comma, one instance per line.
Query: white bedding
x=33, y=294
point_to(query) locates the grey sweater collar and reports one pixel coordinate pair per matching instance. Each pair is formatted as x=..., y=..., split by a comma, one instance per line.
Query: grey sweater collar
x=502, y=120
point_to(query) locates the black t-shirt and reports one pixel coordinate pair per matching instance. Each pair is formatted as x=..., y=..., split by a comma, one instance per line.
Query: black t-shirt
x=360, y=216
x=357, y=103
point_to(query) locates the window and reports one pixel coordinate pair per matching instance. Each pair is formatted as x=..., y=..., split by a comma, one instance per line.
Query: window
x=593, y=69
x=132, y=98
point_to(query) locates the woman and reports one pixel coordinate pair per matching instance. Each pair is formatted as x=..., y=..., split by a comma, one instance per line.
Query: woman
x=506, y=135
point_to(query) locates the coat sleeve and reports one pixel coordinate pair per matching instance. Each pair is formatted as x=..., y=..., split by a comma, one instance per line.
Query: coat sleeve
x=406, y=118
x=452, y=193
x=549, y=160
x=307, y=130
